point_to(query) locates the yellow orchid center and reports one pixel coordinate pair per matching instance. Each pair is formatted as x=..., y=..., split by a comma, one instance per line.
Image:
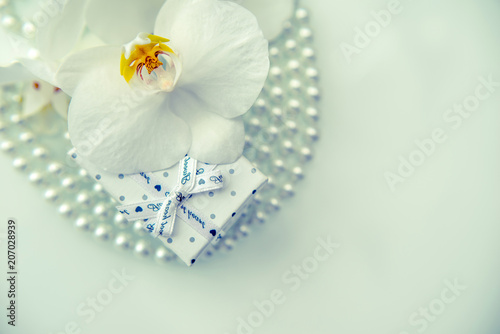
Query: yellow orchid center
x=148, y=61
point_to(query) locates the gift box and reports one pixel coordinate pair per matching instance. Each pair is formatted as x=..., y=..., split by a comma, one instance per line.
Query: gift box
x=188, y=206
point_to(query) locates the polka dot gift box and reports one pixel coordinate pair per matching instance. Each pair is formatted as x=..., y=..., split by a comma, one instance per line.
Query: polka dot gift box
x=188, y=206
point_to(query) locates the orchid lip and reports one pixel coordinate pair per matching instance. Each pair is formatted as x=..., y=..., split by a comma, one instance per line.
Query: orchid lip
x=148, y=63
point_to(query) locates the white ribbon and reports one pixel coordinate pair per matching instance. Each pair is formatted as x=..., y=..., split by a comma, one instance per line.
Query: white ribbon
x=165, y=210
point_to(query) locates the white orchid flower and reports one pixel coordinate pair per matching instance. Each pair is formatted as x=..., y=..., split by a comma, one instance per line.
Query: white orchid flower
x=145, y=105
x=36, y=63
x=39, y=95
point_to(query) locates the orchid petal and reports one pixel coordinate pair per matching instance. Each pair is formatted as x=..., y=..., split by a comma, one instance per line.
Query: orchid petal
x=36, y=96
x=77, y=66
x=60, y=102
x=13, y=47
x=223, y=52
x=44, y=70
x=120, y=129
x=14, y=73
x=215, y=139
x=62, y=26
x=270, y=14
x=119, y=21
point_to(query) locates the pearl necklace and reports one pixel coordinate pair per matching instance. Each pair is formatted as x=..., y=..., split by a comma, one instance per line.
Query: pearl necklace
x=280, y=131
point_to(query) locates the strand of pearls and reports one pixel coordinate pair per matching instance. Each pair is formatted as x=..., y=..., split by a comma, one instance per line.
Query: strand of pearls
x=281, y=130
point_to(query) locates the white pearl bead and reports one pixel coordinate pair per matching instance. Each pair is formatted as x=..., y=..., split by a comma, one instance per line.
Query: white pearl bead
x=244, y=230
x=51, y=195
x=163, y=255
x=313, y=92
x=306, y=153
x=36, y=178
x=16, y=119
x=313, y=113
x=29, y=29
x=66, y=210
x=102, y=232
x=123, y=241
x=55, y=168
x=279, y=166
x=298, y=173
x=308, y=53
x=293, y=65
x=83, y=173
x=295, y=84
x=312, y=133
x=7, y=146
x=139, y=227
x=288, y=146
x=277, y=92
x=288, y=191
x=312, y=73
x=83, y=199
x=301, y=14
x=274, y=204
x=26, y=137
x=294, y=105
x=142, y=249
x=277, y=112
x=68, y=183
x=305, y=33
x=40, y=152
x=260, y=217
x=274, y=52
x=276, y=72
x=20, y=163
x=228, y=244
x=260, y=105
x=8, y=21
x=292, y=126
x=121, y=221
x=83, y=223
x=291, y=44
x=101, y=211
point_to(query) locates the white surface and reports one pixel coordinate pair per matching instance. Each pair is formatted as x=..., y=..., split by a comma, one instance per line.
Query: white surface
x=397, y=248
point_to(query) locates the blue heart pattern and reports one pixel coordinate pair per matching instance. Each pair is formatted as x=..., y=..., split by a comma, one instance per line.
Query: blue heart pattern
x=138, y=209
x=158, y=187
x=201, y=182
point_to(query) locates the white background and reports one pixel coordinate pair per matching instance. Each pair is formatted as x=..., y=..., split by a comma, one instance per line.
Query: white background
x=397, y=248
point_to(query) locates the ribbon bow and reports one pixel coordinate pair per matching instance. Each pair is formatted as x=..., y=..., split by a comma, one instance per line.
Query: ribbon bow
x=190, y=181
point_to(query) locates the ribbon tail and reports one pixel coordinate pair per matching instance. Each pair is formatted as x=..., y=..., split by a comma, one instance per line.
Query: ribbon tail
x=169, y=230
x=166, y=217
